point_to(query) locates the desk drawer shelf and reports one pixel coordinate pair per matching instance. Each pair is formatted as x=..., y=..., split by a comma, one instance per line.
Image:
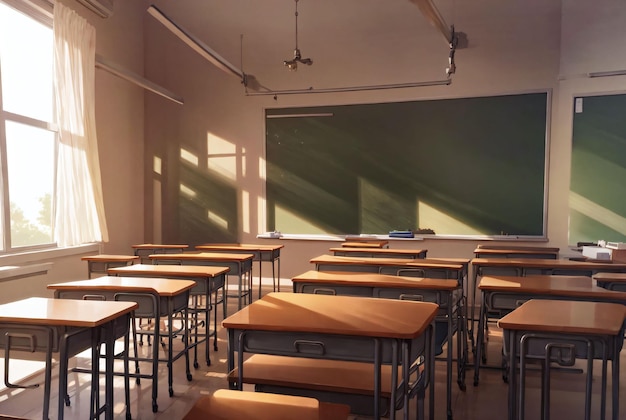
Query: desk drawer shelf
x=582, y=346
x=354, y=348
x=146, y=301
x=318, y=289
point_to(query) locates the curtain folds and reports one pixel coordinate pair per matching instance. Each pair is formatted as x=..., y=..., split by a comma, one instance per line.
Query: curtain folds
x=79, y=205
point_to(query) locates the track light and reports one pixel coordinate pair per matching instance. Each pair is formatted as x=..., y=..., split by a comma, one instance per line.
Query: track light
x=297, y=57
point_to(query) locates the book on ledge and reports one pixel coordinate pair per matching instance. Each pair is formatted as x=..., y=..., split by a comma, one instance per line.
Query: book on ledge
x=401, y=234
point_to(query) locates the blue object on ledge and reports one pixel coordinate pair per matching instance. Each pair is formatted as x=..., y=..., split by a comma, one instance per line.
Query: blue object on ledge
x=401, y=234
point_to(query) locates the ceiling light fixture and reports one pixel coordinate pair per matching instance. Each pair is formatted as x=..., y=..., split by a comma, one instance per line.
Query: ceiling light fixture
x=297, y=57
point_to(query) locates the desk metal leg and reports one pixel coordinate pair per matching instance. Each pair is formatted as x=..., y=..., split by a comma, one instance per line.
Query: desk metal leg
x=471, y=305
x=277, y=278
x=615, y=366
x=479, y=342
x=512, y=372
x=260, y=277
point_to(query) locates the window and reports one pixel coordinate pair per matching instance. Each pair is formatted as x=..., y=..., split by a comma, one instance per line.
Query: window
x=27, y=135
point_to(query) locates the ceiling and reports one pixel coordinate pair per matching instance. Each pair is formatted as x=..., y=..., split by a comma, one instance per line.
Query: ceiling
x=257, y=36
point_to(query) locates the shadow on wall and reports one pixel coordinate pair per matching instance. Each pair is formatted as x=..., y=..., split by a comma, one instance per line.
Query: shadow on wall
x=207, y=208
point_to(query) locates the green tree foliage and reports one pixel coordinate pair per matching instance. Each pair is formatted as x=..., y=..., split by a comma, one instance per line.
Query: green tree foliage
x=26, y=233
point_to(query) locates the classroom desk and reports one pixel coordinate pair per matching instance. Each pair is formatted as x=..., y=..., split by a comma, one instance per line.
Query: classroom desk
x=156, y=297
x=503, y=294
x=239, y=265
x=365, y=244
x=429, y=267
x=611, y=281
x=487, y=251
x=267, y=253
x=102, y=262
x=528, y=266
x=143, y=251
x=379, y=252
x=441, y=292
x=48, y=325
x=209, y=280
x=341, y=328
x=553, y=331
x=226, y=404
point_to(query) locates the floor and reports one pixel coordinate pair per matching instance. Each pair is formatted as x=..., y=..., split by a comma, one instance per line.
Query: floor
x=487, y=401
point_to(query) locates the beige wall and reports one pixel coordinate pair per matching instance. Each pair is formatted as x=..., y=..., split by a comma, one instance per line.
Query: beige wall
x=515, y=46
x=119, y=118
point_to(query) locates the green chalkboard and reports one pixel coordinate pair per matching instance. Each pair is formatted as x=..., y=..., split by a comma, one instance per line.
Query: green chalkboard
x=597, y=189
x=458, y=166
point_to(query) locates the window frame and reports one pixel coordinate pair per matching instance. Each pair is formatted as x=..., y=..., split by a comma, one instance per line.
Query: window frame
x=40, y=11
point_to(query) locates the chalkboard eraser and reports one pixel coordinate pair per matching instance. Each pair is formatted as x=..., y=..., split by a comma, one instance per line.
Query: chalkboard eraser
x=270, y=235
x=401, y=234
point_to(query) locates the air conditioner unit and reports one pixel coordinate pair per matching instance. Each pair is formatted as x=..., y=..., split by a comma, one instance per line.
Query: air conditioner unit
x=103, y=8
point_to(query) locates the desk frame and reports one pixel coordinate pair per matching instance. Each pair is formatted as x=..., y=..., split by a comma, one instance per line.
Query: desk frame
x=519, y=342
x=396, y=351
x=403, y=290
x=68, y=337
x=518, y=296
x=528, y=266
x=262, y=253
x=206, y=286
x=240, y=267
x=158, y=305
x=379, y=252
x=143, y=251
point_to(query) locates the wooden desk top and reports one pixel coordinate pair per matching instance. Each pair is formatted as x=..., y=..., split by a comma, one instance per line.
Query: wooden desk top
x=157, y=285
x=374, y=280
x=238, y=247
x=507, y=251
x=160, y=246
x=541, y=249
x=227, y=404
x=110, y=258
x=170, y=270
x=549, y=285
x=419, y=262
x=379, y=251
x=344, y=315
x=65, y=312
x=206, y=256
x=547, y=263
x=565, y=316
x=365, y=244
x=614, y=277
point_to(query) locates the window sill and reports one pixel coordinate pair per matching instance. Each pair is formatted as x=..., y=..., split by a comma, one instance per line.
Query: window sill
x=34, y=263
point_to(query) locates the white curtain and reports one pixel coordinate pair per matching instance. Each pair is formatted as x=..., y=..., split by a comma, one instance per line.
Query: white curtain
x=79, y=205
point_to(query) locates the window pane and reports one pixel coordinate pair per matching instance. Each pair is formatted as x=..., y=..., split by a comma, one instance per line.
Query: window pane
x=30, y=157
x=26, y=65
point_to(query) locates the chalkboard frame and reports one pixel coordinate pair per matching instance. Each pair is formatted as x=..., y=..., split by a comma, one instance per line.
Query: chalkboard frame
x=540, y=159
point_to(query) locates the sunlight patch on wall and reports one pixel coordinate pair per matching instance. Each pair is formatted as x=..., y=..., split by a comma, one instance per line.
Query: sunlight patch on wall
x=222, y=157
x=243, y=162
x=245, y=211
x=185, y=190
x=188, y=156
x=217, y=220
x=289, y=222
x=262, y=169
x=261, y=219
x=156, y=212
x=156, y=165
x=596, y=212
x=441, y=223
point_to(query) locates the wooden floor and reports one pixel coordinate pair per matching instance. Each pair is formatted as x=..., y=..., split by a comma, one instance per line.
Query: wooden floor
x=487, y=401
